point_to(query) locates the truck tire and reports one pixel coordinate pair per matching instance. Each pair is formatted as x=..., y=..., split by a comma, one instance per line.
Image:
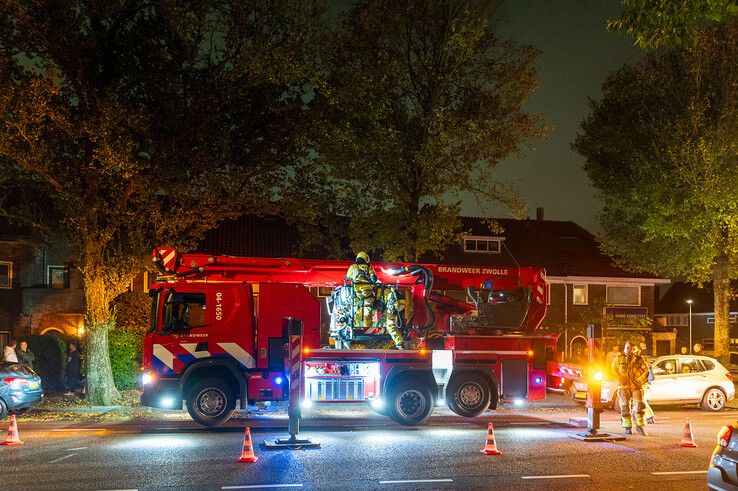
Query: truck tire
x=410, y=402
x=211, y=402
x=468, y=394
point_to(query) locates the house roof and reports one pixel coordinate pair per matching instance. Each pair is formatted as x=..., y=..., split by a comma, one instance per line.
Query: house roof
x=251, y=236
x=11, y=231
x=564, y=248
x=675, y=299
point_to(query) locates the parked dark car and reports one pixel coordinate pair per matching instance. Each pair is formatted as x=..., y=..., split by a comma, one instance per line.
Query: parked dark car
x=723, y=471
x=20, y=388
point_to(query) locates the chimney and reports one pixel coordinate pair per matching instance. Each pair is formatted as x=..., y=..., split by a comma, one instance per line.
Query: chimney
x=539, y=213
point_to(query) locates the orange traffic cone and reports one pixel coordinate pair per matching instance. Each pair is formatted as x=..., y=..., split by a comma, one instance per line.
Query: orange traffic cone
x=491, y=447
x=13, y=437
x=687, y=437
x=247, y=454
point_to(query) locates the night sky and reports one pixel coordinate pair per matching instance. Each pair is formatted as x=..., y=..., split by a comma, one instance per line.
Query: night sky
x=577, y=55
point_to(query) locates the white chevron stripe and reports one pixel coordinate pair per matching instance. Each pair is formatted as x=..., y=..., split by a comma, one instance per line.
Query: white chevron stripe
x=164, y=355
x=239, y=354
x=191, y=348
x=169, y=257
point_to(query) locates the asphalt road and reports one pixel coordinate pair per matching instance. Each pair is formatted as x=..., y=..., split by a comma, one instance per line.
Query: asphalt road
x=361, y=451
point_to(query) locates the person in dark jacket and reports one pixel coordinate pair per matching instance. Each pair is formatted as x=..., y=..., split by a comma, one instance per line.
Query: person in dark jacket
x=25, y=355
x=73, y=370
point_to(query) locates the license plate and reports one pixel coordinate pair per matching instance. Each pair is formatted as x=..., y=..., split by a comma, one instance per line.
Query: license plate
x=580, y=395
x=33, y=385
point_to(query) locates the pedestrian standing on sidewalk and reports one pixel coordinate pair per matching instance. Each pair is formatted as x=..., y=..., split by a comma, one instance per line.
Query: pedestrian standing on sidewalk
x=25, y=355
x=73, y=370
x=9, y=354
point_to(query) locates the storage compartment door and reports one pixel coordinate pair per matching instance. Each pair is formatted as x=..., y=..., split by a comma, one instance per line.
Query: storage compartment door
x=515, y=379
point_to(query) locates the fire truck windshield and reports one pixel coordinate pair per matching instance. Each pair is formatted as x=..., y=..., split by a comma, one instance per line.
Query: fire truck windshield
x=183, y=311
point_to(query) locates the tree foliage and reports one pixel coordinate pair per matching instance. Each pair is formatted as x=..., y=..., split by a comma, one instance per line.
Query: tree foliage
x=125, y=125
x=654, y=23
x=424, y=98
x=661, y=147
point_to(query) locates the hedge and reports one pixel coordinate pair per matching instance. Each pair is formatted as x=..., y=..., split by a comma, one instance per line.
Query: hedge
x=125, y=357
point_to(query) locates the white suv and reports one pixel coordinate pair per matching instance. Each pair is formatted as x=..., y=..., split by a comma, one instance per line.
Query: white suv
x=681, y=379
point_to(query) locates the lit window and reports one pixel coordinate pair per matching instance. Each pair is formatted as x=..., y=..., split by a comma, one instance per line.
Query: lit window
x=6, y=274
x=58, y=277
x=579, y=295
x=482, y=245
x=624, y=295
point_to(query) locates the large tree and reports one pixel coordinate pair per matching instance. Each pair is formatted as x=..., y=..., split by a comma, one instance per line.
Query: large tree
x=655, y=23
x=130, y=124
x=661, y=147
x=424, y=100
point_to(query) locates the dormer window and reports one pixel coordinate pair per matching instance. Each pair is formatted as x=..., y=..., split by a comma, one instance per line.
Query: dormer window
x=482, y=245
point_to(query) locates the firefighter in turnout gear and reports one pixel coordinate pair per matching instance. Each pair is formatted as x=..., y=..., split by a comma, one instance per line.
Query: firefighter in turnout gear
x=364, y=280
x=632, y=372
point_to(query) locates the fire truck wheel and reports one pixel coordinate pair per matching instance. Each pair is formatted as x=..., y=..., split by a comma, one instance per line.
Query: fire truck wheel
x=211, y=402
x=468, y=394
x=411, y=402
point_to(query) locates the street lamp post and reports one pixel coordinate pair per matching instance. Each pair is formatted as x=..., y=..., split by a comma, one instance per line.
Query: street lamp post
x=689, y=302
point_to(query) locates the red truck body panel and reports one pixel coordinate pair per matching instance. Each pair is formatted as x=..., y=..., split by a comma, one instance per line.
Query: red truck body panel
x=239, y=306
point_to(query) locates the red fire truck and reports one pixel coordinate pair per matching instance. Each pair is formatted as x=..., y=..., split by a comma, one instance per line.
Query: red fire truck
x=218, y=336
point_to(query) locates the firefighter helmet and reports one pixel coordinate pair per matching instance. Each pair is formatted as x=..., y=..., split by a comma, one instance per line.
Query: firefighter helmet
x=363, y=256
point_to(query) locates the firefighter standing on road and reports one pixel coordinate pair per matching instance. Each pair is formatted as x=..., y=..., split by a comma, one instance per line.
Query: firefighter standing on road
x=647, y=410
x=632, y=373
x=364, y=279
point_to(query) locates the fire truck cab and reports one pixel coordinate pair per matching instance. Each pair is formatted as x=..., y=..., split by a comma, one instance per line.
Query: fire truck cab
x=219, y=336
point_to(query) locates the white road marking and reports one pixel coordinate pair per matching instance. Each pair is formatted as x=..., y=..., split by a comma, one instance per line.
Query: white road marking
x=411, y=481
x=677, y=472
x=263, y=486
x=531, y=423
x=561, y=476
x=62, y=458
x=76, y=449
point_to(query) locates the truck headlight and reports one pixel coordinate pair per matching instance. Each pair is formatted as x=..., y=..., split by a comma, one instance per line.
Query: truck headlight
x=148, y=378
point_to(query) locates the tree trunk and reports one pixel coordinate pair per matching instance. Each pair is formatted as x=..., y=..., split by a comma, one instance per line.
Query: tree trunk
x=100, y=385
x=722, y=294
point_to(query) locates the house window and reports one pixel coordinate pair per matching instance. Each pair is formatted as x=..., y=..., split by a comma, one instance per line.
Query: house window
x=678, y=320
x=482, y=245
x=732, y=319
x=624, y=295
x=579, y=295
x=58, y=277
x=6, y=274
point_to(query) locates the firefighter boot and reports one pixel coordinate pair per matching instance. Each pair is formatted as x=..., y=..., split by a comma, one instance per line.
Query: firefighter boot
x=395, y=333
x=628, y=430
x=641, y=430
